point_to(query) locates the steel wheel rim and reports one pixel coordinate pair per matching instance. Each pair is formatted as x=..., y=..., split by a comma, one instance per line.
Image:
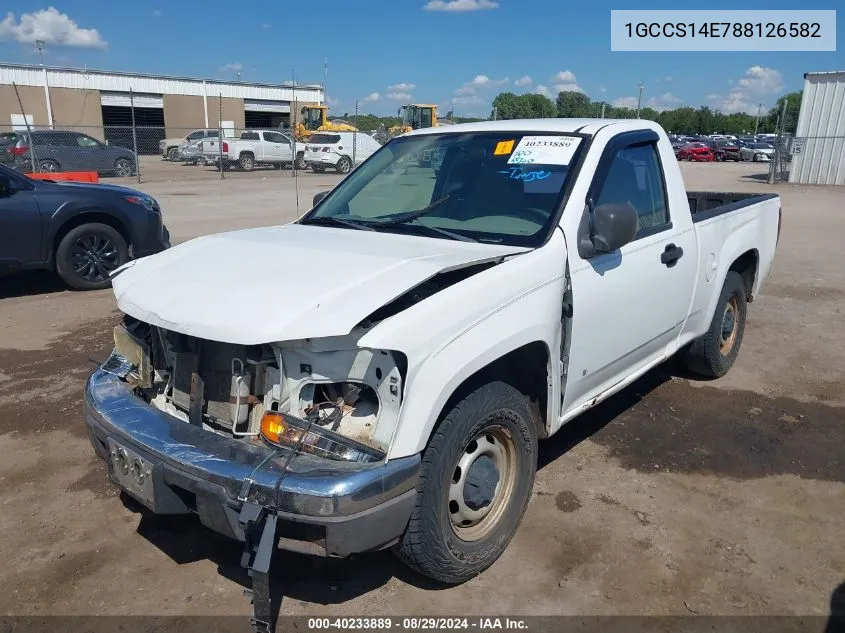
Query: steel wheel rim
x=123, y=168
x=470, y=524
x=48, y=166
x=93, y=256
x=345, y=166
x=728, y=330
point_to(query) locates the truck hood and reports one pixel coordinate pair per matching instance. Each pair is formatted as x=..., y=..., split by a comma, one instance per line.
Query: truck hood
x=284, y=283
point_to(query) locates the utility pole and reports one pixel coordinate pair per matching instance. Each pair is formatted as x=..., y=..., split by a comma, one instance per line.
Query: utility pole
x=325, y=80
x=640, y=98
x=39, y=46
x=779, y=145
x=495, y=113
x=134, y=136
x=757, y=120
x=602, y=109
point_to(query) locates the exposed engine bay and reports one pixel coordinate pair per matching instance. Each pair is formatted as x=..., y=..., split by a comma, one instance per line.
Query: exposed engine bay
x=331, y=384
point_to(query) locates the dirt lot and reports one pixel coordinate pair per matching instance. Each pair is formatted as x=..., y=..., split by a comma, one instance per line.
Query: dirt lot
x=674, y=497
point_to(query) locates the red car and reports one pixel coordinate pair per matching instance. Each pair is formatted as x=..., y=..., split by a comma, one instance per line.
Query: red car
x=696, y=151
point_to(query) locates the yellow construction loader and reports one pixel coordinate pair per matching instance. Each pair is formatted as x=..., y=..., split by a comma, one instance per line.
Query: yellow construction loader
x=415, y=116
x=313, y=118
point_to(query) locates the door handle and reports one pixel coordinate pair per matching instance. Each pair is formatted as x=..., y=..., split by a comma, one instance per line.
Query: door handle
x=671, y=255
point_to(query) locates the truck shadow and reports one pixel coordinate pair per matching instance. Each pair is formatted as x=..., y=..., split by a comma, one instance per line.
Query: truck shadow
x=334, y=581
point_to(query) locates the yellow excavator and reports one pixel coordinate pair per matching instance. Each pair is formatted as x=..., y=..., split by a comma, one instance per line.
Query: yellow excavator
x=314, y=119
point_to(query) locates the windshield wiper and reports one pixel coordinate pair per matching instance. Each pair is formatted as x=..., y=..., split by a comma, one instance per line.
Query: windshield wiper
x=437, y=229
x=410, y=216
x=336, y=221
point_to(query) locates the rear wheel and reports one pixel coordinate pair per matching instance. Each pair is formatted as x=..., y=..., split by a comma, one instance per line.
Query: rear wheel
x=48, y=166
x=173, y=154
x=88, y=254
x=714, y=354
x=474, y=484
x=300, y=161
x=344, y=165
x=247, y=162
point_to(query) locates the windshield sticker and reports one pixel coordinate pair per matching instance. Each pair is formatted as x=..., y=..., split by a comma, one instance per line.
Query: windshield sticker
x=503, y=148
x=517, y=173
x=545, y=150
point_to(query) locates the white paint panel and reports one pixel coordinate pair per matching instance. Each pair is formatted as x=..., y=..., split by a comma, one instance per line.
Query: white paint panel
x=821, y=123
x=123, y=99
x=20, y=121
x=84, y=79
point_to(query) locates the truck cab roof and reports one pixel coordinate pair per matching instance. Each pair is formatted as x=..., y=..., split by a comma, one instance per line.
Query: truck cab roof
x=564, y=126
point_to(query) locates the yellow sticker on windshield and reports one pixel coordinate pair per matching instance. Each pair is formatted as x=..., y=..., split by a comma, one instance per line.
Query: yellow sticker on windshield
x=503, y=147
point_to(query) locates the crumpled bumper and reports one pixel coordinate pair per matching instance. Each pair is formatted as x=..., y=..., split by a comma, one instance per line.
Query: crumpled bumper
x=325, y=507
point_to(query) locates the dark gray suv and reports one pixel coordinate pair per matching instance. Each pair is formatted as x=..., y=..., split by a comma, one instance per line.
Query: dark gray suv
x=65, y=150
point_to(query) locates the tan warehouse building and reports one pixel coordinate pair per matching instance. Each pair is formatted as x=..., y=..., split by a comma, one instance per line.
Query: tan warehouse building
x=102, y=103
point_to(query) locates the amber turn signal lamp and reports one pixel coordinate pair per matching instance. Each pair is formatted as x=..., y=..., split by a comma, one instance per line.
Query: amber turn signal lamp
x=273, y=426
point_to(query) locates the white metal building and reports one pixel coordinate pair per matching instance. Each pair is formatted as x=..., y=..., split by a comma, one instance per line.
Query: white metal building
x=820, y=158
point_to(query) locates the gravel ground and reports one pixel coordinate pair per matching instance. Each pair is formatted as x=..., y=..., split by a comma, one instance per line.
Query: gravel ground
x=673, y=497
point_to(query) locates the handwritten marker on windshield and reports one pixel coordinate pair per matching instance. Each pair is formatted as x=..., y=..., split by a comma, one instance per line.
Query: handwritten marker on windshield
x=503, y=147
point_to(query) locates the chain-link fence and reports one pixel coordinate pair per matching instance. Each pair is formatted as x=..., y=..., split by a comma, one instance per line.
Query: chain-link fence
x=152, y=153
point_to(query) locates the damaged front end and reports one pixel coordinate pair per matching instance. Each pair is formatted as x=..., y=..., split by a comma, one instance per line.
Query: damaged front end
x=325, y=397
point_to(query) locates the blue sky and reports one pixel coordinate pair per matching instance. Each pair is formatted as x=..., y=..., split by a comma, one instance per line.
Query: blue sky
x=384, y=53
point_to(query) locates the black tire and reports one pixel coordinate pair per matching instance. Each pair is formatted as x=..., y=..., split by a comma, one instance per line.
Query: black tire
x=714, y=354
x=433, y=544
x=344, y=165
x=88, y=253
x=48, y=166
x=173, y=154
x=123, y=167
x=247, y=162
x=300, y=161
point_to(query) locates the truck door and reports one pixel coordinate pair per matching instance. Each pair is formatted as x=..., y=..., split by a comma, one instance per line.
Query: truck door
x=629, y=305
x=277, y=147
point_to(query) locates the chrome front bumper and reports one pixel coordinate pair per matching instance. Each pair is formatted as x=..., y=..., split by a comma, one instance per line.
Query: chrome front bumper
x=350, y=507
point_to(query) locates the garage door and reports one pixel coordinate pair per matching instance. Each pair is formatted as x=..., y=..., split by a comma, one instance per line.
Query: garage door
x=141, y=100
x=263, y=105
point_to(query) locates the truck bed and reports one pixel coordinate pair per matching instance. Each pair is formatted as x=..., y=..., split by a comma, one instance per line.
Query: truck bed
x=708, y=204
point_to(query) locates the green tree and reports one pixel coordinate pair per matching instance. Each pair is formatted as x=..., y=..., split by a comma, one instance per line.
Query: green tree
x=538, y=106
x=793, y=107
x=574, y=105
x=507, y=106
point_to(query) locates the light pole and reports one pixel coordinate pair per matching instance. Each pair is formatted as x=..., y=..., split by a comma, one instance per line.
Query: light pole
x=757, y=120
x=640, y=98
x=39, y=46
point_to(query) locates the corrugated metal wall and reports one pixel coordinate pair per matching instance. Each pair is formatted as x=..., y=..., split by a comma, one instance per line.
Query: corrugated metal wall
x=120, y=82
x=822, y=123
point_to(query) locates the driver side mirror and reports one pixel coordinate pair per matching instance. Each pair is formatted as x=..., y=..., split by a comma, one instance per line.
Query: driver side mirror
x=319, y=197
x=612, y=226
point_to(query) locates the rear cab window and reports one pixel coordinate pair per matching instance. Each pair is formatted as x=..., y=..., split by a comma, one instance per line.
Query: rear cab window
x=324, y=139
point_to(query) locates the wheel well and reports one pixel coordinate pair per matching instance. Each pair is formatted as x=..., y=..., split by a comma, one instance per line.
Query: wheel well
x=746, y=266
x=89, y=217
x=246, y=153
x=525, y=368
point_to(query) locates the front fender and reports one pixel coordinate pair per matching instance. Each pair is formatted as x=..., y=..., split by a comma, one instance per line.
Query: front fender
x=455, y=333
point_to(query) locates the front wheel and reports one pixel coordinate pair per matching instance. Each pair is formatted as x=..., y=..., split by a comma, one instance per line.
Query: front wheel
x=344, y=165
x=88, y=254
x=713, y=354
x=173, y=154
x=475, y=480
x=124, y=167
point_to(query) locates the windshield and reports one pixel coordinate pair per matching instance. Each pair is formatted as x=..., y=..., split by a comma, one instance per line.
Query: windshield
x=499, y=188
x=312, y=118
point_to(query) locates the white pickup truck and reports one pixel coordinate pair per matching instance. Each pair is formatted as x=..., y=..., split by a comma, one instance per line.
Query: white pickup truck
x=255, y=147
x=379, y=372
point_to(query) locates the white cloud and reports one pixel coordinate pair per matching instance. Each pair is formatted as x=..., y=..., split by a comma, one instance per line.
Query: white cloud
x=665, y=79
x=266, y=25
x=564, y=81
x=625, y=102
x=333, y=102
x=664, y=102
x=525, y=80
x=400, y=96
x=373, y=96
x=51, y=26
x=564, y=77
x=568, y=88
x=468, y=100
x=602, y=89
x=753, y=87
x=542, y=90
x=465, y=90
x=460, y=6
x=233, y=67
x=484, y=80
x=156, y=13
x=402, y=86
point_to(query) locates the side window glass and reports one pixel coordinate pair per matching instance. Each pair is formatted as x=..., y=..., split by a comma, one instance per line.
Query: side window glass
x=193, y=136
x=635, y=178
